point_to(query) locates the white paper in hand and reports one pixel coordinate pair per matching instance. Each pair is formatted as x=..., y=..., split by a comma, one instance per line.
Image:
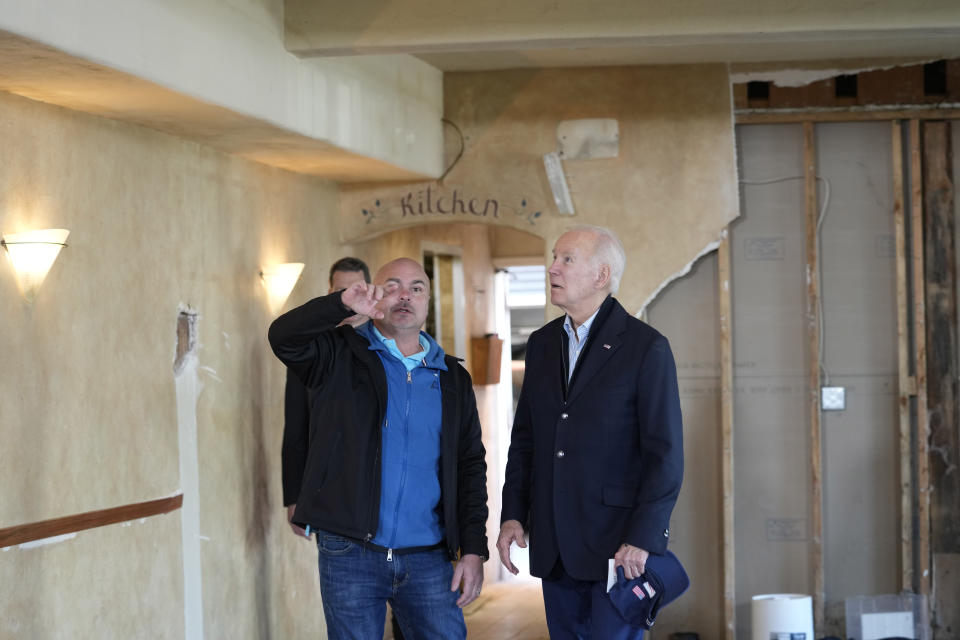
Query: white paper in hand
x=611, y=575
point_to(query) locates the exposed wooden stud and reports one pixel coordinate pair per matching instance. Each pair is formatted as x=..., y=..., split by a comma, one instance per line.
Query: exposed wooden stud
x=813, y=379
x=907, y=383
x=20, y=534
x=724, y=295
x=842, y=115
x=740, y=95
x=940, y=280
x=922, y=579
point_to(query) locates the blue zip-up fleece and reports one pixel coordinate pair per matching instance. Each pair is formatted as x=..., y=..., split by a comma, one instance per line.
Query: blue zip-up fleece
x=410, y=462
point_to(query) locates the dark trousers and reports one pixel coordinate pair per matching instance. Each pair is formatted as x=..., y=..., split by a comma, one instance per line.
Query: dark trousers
x=581, y=610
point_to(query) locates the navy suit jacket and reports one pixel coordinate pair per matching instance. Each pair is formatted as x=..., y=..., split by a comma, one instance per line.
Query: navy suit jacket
x=599, y=461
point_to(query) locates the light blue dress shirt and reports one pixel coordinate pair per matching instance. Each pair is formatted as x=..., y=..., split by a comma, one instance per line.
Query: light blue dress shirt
x=411, y=362
x=576, y=339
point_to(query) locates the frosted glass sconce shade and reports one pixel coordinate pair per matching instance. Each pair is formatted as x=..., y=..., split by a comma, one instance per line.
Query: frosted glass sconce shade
x=32, y=253
x=279, y=280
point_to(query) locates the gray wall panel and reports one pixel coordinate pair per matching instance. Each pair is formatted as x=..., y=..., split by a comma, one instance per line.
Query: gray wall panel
x=686, y=313
x=861, y=459
x=771, y=435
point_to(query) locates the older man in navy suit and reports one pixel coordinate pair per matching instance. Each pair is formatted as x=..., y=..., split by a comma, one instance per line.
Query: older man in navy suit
x=596, y=454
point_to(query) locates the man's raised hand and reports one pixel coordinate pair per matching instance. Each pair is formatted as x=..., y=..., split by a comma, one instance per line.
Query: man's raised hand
x=363, y=299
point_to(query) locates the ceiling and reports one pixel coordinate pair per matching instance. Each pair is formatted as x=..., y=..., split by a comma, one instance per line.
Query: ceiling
x=797, y=49
x=786, y=40
x=500, y=34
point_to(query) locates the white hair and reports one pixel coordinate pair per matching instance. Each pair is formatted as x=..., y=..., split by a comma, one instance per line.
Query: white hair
x=607, y=251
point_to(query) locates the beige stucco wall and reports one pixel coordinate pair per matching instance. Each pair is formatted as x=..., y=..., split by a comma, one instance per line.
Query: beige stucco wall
x=88, y=411
x=668, y=193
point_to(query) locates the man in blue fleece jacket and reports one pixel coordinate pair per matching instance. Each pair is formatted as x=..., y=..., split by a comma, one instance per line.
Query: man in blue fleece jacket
x=395, y=478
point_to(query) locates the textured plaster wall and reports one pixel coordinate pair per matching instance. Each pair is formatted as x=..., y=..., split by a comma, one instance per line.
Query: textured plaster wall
x=507, y=242
x=668, y=194
x=87, y=406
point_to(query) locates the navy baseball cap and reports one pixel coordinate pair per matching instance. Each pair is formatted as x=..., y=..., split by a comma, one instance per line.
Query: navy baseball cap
x=638, y=601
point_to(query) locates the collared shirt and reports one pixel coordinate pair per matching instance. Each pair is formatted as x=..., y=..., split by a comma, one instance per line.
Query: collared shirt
x=576, y=340
x=411, y=362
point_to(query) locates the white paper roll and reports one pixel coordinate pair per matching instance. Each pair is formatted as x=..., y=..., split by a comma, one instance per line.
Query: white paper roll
x=782, y=616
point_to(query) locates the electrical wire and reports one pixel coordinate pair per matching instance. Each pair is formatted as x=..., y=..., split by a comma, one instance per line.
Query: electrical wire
x=463, y=146
x=825, y=375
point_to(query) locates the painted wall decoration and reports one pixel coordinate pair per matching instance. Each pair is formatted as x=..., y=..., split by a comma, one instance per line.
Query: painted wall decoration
x=425, y=203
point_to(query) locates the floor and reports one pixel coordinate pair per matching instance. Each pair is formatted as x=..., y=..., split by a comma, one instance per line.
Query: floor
x=505, y=611
x=508, y=611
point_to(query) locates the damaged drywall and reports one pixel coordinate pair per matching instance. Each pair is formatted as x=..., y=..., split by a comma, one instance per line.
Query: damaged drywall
x=188, y=389
x=793, y=75
x=710, y=248
x=45, y=541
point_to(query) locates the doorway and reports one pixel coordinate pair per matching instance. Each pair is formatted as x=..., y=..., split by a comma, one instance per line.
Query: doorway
x=445, y=321
x=521, y=299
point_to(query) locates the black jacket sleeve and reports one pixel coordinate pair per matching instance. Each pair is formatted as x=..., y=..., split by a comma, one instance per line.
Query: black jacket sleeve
x=472, y=478
x=661, y=432
x=296, y=437
x=303, y=338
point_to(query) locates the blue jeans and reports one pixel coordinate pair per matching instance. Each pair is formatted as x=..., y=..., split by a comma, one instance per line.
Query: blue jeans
x=356, y=583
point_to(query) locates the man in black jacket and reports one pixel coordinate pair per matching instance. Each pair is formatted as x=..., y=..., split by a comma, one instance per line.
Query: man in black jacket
x=395, y=478
x=296, y=400
x=296, y=407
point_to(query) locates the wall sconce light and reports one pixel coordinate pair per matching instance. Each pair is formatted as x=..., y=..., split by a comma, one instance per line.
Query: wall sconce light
x=32, y=253
x=279, y=280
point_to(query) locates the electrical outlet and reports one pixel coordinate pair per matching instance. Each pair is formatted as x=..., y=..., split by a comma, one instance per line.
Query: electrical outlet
x=833, y=398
